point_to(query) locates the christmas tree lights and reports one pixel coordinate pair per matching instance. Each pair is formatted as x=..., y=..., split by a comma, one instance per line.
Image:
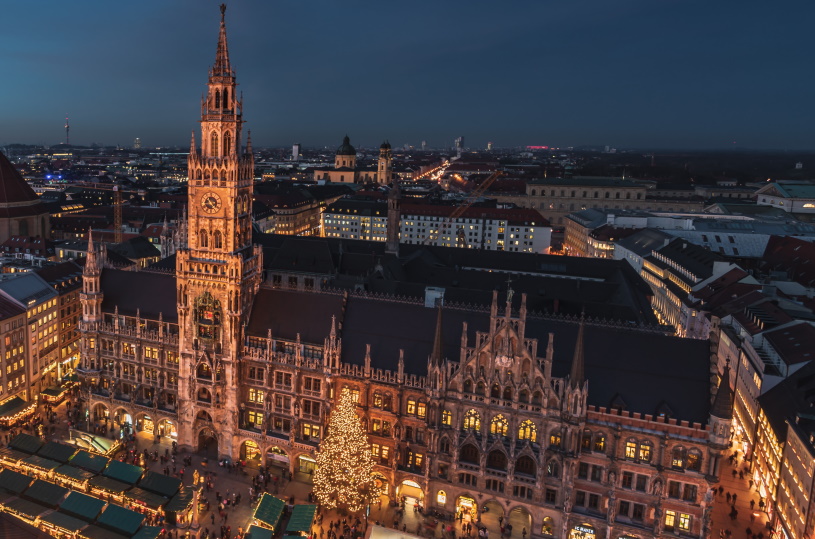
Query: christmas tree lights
x=344, y=477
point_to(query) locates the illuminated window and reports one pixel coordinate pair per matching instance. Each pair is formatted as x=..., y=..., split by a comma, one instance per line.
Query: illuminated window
x=411, y=406
x=499, y=425
x=446, y=418
x=528, y=431
x=646, y=451
x=472, y=420
x=441, y=497
x=554, y=439
x=421, y=410
x=670, y=520
x=600, y=442
x=631, y=449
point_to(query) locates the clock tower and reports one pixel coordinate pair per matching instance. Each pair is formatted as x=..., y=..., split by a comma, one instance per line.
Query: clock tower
x=219, y=270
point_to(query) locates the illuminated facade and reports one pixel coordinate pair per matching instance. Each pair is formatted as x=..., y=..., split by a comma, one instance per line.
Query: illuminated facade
x=465, y=408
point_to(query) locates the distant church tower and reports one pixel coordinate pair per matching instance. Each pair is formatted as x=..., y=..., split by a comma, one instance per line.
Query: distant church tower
x=385, y=169
x=218, y=270
x=394, y=220
x=346, y=156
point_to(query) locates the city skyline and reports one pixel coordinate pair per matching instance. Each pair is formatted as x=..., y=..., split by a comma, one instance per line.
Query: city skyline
x=681, y=75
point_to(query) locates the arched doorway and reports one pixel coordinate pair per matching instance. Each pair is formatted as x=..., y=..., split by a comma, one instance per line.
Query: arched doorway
x=520, y=520
x=167, y=428
x=466, y=508
x=144, y=423
x=250, y=452
x=411, y=493
x=124, y=421
x=492, y=515
x=208, y=443
x=276, y=457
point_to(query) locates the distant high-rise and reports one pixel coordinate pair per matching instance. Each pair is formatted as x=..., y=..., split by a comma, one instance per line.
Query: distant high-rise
x=489, y=146
x=424, y=145
x=295, y=152
x=137, y=144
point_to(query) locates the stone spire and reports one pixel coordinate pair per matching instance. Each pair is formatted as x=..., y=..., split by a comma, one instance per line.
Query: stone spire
x=577, y=375
x=437, y=355
x=221, y=66
x=723, y=402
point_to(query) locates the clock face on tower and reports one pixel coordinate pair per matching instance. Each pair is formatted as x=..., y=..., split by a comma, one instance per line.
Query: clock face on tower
x=211, y=202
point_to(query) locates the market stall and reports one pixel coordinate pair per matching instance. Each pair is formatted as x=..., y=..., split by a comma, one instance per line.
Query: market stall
x=107, y=488
x=72, y=477
x=144, y=501
x=89, y=461
x=268, y=512
x=39, y=467
x=57, y=451
x=149, y=532
x=26, y=443
x=45, y=493
x=53, y=395
x=14, y=410
x=121, y=471
x=82, y=506
x=10, y=458
x=14, y=482
x=301, y=519
x=25, y=509
x=61, y=525
x=256, y=532
x=120, y=520
x=178, y=510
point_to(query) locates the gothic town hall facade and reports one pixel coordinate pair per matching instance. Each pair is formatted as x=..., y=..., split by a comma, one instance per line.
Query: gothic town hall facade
x=568, y=428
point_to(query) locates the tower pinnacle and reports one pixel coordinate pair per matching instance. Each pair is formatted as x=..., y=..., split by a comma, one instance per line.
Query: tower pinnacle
x=221, y=66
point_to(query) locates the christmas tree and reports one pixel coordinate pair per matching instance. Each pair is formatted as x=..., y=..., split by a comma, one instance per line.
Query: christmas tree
x=344, y=479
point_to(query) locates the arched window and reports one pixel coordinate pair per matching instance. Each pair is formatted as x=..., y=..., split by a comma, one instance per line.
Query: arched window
x=226, y=99
x=441, y=497
x=203, y=371
x=694, y=460
x=377, y=401
x=554, y=439
x=217, y=99
x=444, y=446
x=495, y=393
x=497, y=460
x=499, y=425
x=553, y=469
x=631, y=449
x=678, y=457
x=646, y=450
x=600, y=443
x=537, y=398
x=528, y=431
x=227, y=141
x=523, y=396
x=217, y=240
x=446, y=417
x=213, y=145
x=585, y=441
x=468, y=386
x=203, y=239
x=480, y=389
x=470, y=454
x=526, y=466
x=507, y=393
x=472, y=420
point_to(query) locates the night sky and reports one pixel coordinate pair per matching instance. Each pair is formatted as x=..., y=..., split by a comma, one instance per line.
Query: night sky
x=625, y=73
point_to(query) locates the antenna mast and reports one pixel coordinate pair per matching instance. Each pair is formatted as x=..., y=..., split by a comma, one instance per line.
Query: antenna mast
x=67, y=131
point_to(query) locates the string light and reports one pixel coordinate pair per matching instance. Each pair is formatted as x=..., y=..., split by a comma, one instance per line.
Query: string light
x=343, y=479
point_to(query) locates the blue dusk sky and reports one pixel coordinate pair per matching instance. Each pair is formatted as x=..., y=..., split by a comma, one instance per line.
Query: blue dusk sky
x=625, y=73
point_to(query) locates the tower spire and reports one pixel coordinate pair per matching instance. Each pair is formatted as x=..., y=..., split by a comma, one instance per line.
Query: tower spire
x=722, y=403
x=221, y=66
x=577, y=375
x=437, y=355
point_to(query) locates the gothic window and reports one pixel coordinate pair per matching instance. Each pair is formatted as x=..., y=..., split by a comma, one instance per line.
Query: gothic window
x=585, y=441
x=600, y=443
x=554, y=439
x=446, y=418
x=469, y=453
x=523, y=396
x=208, y=317
x=694, y=460
x=678, y=457
x=499, y=425
x=217, y=240
x=213, y=145
x=528, y=431
x=472, y=420
x=525, y=465
x=227, y=137
x=495, y=393
x=507, y=393
x=203, y=239
x=203, y=371
x=217, y=99
x=480, y=389
x=537, y=398
x=646, y=450
x=553, y=468
x=226, y=99
x=468, y=386
x=497, y=460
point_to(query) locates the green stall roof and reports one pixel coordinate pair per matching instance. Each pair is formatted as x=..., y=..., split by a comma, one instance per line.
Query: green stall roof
x=14, y=482
x=106, y=483
x=121, y=471
x=180, y=501
x=92, y=463
x=148, y=532
x=301, y=518
x=26, y=508
x=269, y=510
x=160, y=484
x=119, y=519
x=46, y=493
x=26, y=443
x=64, y=522
x=95, y=532
x=256, y=532
x=53, y=391
x=41, y=463
x=72, y=472
x=11, y=455
x=82, y=506
x=12, y=406
x=56, y=451
x=145, y=497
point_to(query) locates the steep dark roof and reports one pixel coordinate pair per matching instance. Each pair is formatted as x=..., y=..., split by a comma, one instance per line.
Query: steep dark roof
x=136, y=248
x=644, y=368
x=149, y=293
x=13, y=188
x=723, y=403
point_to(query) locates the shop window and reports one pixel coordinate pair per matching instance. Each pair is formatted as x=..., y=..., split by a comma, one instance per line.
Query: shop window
x=441, y=497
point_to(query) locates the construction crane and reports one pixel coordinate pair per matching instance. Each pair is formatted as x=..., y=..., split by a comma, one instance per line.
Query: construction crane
x=459, y=210
x=117, y=206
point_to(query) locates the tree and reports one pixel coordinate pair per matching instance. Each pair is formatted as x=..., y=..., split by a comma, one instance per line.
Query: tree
x=344, y=477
